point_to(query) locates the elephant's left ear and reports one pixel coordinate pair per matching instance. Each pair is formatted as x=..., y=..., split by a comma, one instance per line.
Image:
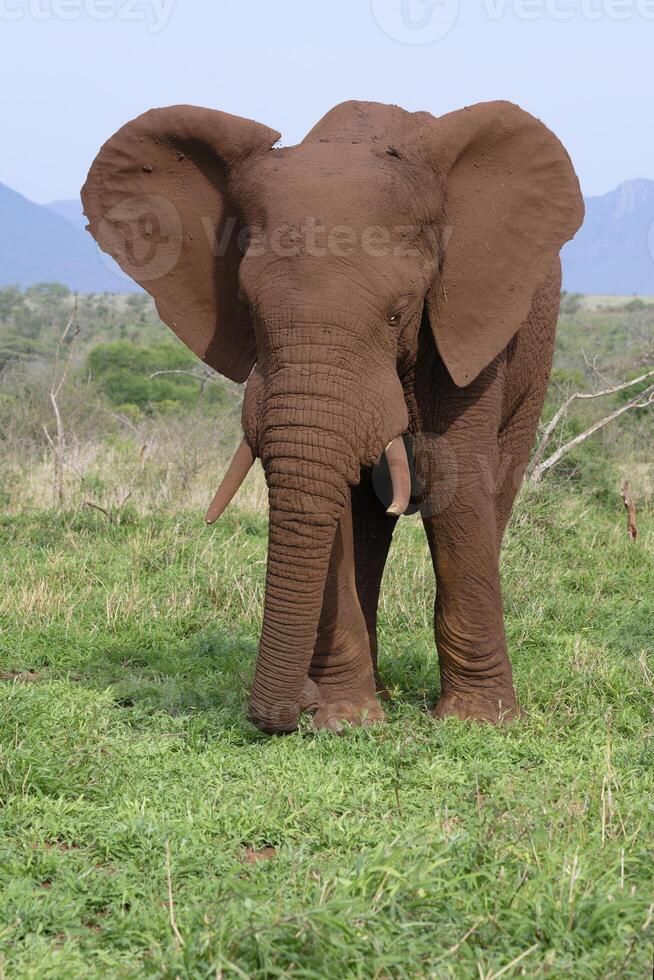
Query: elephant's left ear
x=512, y=200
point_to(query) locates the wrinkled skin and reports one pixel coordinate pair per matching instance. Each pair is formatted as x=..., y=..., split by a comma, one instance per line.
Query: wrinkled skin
x=401, y=274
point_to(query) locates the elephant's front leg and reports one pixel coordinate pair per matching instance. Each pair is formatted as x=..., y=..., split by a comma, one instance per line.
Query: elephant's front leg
x=476, y=676
x=341, y=683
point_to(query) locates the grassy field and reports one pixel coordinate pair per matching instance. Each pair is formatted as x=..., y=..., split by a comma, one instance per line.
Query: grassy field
x=147, y=830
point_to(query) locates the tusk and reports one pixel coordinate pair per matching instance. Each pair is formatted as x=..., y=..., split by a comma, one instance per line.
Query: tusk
x=398, y=465
x=237, y=470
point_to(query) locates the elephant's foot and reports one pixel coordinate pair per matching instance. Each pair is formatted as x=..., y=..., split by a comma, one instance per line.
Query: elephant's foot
x=335, y=708
x=474, y=707
x=334, y=716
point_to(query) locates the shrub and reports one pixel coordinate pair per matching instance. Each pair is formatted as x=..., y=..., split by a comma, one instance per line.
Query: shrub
x=123, y=372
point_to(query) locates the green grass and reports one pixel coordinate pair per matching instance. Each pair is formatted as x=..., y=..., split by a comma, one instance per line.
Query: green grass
x=419, y=849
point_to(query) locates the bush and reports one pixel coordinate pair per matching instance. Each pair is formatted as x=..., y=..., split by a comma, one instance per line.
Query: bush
x=570, y=302
x=123, y=372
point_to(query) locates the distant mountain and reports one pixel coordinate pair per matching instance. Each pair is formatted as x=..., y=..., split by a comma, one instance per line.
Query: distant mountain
x=37, y=244
x=71, y=211
x=613, y=251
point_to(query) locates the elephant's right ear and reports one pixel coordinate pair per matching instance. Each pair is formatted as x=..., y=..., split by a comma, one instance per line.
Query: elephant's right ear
x=157, y=199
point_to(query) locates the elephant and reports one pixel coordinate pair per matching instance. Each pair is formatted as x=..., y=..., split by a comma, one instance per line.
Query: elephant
x=392, y=279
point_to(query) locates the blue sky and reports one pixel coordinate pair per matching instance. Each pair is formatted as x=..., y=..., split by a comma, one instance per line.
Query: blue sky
x=72, y=71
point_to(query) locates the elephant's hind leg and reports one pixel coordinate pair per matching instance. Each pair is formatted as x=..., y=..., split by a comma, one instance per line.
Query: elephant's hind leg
x=528, y=371
x=476, y=677
x=341, y=683
x=515, y=443
x=460, y=465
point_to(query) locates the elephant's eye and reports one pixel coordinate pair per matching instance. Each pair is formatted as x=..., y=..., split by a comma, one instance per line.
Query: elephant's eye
x=394, y=319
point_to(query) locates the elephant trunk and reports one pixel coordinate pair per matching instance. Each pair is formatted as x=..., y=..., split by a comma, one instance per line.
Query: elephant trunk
x=314, y=431
x=306, y=499
x=299, y=547
x=298, y=560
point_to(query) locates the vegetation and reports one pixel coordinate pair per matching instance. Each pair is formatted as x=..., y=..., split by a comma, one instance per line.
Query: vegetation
x=146, y=829
x=420, y=849
x=141, y=379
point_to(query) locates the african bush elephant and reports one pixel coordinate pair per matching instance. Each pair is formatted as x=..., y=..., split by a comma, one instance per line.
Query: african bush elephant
x=394, y=272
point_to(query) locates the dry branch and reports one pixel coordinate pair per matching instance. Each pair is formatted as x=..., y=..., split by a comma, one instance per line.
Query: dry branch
x=58, y=444
x=103, y=510
x=113, y=518
x=120, y=418
x=204, y=378
x=537, y=466
x=179, y=941
x=632, y=528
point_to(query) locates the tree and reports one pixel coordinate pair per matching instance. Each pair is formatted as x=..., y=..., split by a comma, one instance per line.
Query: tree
x=59, y=376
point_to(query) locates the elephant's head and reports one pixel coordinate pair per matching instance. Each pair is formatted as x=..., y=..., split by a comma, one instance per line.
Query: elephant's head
x=318, y=263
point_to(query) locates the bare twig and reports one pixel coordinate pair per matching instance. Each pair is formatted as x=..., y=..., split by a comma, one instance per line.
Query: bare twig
x=103, y=510
x=453, y=949
x=120, y=418
x=204, y=378
x=514, y=962
x=49, y=438
x=65, y=462
x=144, y=451
x=113, y=518
x=536, y=467
x=171, y=906
x=594, y=368
x=632, y=528
x=56, y=386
